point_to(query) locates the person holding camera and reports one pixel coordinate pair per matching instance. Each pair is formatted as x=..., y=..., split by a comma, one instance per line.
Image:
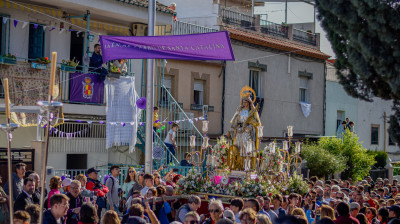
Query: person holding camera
x=99, y=190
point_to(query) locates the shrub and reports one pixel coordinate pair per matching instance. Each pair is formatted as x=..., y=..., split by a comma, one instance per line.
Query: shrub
x=358, y=161
x=380, y=158
x=321, y=162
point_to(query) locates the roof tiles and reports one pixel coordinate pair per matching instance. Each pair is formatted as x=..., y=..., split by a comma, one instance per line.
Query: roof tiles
x=279, y=44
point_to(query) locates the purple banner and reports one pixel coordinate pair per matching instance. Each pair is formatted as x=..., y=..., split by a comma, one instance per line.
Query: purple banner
x=86, y=88
x=204, y=46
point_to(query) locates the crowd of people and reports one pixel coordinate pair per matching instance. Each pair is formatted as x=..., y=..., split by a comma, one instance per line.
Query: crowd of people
x=151, y=198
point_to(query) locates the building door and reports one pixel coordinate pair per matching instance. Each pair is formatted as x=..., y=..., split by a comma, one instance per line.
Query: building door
x=77, y=44
x=36, y=41
x=26, y=156
x=76, y=161
x=340, y=118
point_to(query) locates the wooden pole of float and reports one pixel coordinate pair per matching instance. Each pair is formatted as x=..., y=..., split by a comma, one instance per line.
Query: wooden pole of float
x=46, y=146
x=9, y=161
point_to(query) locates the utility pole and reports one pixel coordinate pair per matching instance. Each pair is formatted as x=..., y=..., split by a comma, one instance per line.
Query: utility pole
x=252, y=7
x=286, y=12
x=150, y=94
x=384, y=131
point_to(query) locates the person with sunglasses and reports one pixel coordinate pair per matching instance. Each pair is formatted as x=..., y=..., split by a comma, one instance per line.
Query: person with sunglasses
x=371, y=214
x=129, y=181
x=139, y=185
x=192, y=218
x=215, y=208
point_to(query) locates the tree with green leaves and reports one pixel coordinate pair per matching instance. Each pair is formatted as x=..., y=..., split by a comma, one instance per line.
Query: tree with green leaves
x=321, y=162
x=365, y=38
x=358, y=160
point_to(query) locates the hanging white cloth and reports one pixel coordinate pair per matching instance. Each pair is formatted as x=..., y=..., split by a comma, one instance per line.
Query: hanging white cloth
x=122, y=112
x=306, y=108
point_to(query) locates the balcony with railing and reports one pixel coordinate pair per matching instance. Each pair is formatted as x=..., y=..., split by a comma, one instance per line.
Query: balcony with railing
x=273, y=29
x=240, y=20
x=84, y=138
x=234, y=18
x=180, y=28
x=306, y=37
x=65, y=83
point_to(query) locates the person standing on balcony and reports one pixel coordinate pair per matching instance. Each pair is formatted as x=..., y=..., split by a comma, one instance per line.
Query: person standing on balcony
x=17, y=180
x=112, y=184
x=170, y=140
x=96, y=62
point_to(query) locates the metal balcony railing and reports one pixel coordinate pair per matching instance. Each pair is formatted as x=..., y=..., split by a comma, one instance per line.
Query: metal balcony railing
x=237, y=18
x=181, y=28
x=304, y=36
x=199, y=107
x=274, y=29
x=65, y=83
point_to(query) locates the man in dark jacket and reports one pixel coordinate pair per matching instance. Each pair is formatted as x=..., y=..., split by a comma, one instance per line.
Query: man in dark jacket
x=25, y=198
x=96, y=62
x=343, y=210
x=59, y=208
x=76, y=201
x=17, y=180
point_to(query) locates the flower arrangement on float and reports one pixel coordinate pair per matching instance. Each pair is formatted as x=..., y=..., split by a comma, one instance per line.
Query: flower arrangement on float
x=220, y=151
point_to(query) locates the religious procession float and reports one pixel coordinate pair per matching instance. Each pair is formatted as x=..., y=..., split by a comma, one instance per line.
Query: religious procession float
x=237, y=166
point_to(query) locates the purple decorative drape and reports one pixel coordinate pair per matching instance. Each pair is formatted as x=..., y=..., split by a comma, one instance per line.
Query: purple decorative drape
x=204, y=46
x=86, y=88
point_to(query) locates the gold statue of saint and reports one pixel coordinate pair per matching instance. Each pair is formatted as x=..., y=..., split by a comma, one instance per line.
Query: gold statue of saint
x=243, y=133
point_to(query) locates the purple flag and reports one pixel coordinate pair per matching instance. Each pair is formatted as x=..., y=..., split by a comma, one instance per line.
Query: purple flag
x=86, y=88
x=204, y=46
x=15, y=23
x=35, y=26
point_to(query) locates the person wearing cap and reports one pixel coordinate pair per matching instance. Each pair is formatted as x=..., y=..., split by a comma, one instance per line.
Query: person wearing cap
x=394, y=212
x=344, y=217
x=93, y=184
x=354, y=209
x=66, y=185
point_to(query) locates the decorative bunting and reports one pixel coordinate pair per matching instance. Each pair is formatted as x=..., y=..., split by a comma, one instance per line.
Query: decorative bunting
x=24, y=25
x=62, y=134
x=5, y=20
x=61, y=30
x=15, y=23
x=44, y=28
x=35, y=26
x=52, y=29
